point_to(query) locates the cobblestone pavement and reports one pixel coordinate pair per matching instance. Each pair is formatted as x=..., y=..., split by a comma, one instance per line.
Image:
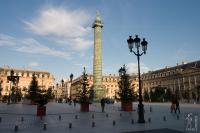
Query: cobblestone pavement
x=111, y=121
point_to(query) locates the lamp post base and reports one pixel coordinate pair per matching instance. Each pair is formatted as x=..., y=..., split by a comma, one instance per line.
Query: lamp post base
x=141, y=113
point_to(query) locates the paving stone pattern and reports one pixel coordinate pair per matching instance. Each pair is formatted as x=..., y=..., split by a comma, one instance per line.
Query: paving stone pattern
x=12, y=114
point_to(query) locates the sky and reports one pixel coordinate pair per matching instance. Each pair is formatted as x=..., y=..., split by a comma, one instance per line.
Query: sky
x=57, y=35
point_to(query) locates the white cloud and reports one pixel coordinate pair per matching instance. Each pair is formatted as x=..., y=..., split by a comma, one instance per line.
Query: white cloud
x=30, y=45
x=33, y=64
x=133, y=68
x=76, y=44
x=7, y=40
x=71, y=28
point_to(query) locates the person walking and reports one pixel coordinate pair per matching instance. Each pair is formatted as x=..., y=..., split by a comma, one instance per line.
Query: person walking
x=74, y=101
x=173, y=106
x=177, y=106
x=102, y=104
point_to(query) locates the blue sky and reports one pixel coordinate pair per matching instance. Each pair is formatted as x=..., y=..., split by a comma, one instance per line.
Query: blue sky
x=56, y=35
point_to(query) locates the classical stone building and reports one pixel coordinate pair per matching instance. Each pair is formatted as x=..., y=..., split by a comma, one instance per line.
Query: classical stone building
x=44, y=78
x=183, y=78
x=62, y=89
x=109, y=84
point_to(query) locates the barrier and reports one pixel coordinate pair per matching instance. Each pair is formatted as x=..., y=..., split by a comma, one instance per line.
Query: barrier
x=16, y=128
x=45, y=126
x=114, y=122
x=93, y=124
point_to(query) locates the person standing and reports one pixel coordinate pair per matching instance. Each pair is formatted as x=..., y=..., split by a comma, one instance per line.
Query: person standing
x=102, y=104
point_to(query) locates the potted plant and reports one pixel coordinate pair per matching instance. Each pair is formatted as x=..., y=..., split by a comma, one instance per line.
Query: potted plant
x=39, y=97
x=83, y=96
x=43, y=97
x=125, y=93
x=41, y=101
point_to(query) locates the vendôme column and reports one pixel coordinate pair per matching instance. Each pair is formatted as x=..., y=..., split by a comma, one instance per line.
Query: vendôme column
x=97, y=60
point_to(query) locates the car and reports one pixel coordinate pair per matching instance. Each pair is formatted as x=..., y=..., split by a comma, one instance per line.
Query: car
x=109, y=100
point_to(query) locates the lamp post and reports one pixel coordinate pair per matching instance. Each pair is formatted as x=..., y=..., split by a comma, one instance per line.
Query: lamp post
x=1, y=87
x=131, y=44
x=56, y=92
x=42, y=81
x=62, y=88
x=13, y=80
x=71, y=79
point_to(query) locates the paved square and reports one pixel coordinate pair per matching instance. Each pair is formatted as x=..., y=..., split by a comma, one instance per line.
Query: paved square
x=24, y=116
x=157, y=131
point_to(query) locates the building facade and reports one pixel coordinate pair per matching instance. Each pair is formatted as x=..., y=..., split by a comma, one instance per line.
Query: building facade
x=182, y=79
x=62, y=89
x=44, y=78
x=109, y=85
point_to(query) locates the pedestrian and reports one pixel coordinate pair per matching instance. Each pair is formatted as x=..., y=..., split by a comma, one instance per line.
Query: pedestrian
x=74, y=101
x=173, y=106
x=70, y=101
x=177, y=106
x=102, y=104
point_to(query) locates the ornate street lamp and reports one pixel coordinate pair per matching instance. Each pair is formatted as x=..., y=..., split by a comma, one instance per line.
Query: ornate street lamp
x=135, y=43
x=57, y=91
x=1, y=87
x=71, y=79
x=42, y=82
x=13, y=80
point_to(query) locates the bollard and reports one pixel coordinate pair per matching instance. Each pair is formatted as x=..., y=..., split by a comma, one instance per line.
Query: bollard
x=16, y=128
x=70, y=125
x=59, y=117
x=92, y=116
x=93, y=124
x=177, y=117
x=45, y=126
x=120, y=114
x=150, y=109
x=107, y=115
x=22, y=119
x=164, y=118
x=76, y=116
x=0, y=119
x=132, y=121
x=114, y=122
x=149, y=120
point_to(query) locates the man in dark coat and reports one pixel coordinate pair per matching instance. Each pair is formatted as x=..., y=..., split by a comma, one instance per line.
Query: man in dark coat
x=102, y=104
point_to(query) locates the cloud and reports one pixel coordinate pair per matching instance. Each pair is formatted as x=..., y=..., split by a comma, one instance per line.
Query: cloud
x=30, y=45
x=76, y=44
x=7, y=40
x=33, y=64
x=133, y=68
x=69, y=27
